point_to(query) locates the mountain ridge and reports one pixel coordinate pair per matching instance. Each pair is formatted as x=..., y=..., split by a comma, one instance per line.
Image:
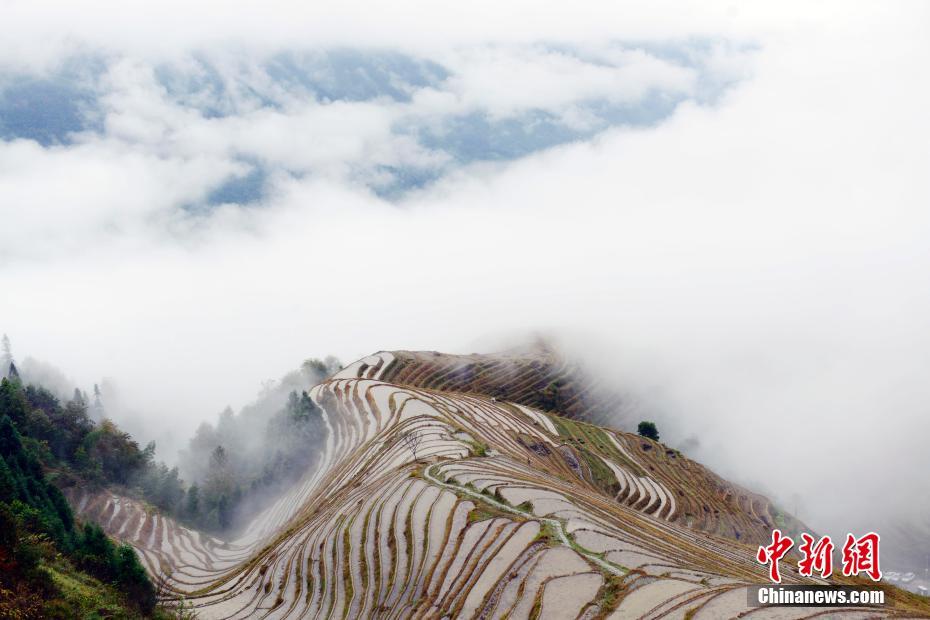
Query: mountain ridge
x=434, y=503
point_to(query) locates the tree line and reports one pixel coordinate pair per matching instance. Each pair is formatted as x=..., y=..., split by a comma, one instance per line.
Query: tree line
x=47, y=443
x=36, y=523
x=238, y=465
x=232, y=468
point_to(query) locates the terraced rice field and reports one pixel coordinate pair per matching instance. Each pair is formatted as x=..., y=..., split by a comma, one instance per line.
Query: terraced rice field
x=504, y=511
x=538, y=378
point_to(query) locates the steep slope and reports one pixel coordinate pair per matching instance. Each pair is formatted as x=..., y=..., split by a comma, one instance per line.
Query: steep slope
x=433, y=504
x=541, y=379
x=536, y=376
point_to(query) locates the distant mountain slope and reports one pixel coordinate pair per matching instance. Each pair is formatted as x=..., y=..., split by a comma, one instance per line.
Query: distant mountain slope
x=536, y=376
x=445, y=504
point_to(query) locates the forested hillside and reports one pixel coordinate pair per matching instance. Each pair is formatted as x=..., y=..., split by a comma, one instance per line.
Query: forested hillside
x=53, y=566
x=50, y=566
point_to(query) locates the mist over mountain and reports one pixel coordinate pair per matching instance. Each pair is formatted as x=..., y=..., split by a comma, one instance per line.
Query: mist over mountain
x=712, y=215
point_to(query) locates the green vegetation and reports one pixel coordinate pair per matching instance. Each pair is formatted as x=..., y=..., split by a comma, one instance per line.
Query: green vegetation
x=478, y=448
x=551, y=398
x=64, y=440
x=786, y=522
x=233, y=468
x=648, y=430
x=251, y=456
x=50, y=565
x=610, y=594
x=588, y=438
x=242, y=462
x=547, y=534
x=76, y=595
x=482, y=514
x=36, y=525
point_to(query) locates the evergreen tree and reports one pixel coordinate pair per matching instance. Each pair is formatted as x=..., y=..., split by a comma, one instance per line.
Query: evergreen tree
x=170, y=491
x=218, y=461
x=13, y=401
x=192, y=507
x=223, y=512
x=8, y=485
x=95, y=551
x=98, y=404
x=648, y=429
x=36, y=520
x=132, y=578
x=6, y=354
x=148, y=454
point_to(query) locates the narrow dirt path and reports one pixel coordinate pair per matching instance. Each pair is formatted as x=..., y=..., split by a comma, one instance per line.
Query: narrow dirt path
x=557, y=525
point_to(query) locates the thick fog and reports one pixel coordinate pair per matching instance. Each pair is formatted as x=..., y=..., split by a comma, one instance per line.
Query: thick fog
x=750, y=266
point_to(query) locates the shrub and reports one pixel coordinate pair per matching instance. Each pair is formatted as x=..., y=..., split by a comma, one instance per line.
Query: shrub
x=648, y=430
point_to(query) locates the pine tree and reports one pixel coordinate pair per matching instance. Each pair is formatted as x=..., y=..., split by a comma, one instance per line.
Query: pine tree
x=223, y=512
x=11, y=445
x=132, y=578
x=148, y=454
x=13, y=401
x=98, y=404
x=193, y=501
x=219, y=478
x=218, y=459
x=8, y=491
x=6, y=354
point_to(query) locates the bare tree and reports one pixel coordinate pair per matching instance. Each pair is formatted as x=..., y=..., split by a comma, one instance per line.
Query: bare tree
x=411, y=440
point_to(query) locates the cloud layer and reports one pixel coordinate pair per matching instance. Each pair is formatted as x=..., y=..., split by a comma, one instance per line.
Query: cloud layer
x=731, y=204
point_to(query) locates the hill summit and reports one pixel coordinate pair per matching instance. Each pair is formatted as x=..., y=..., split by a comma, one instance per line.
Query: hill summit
x=450, y=487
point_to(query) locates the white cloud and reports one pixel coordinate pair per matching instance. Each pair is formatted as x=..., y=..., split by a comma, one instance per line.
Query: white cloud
x=37, y=33
x=61, y=201
x=757, y=262
x=508, y=81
